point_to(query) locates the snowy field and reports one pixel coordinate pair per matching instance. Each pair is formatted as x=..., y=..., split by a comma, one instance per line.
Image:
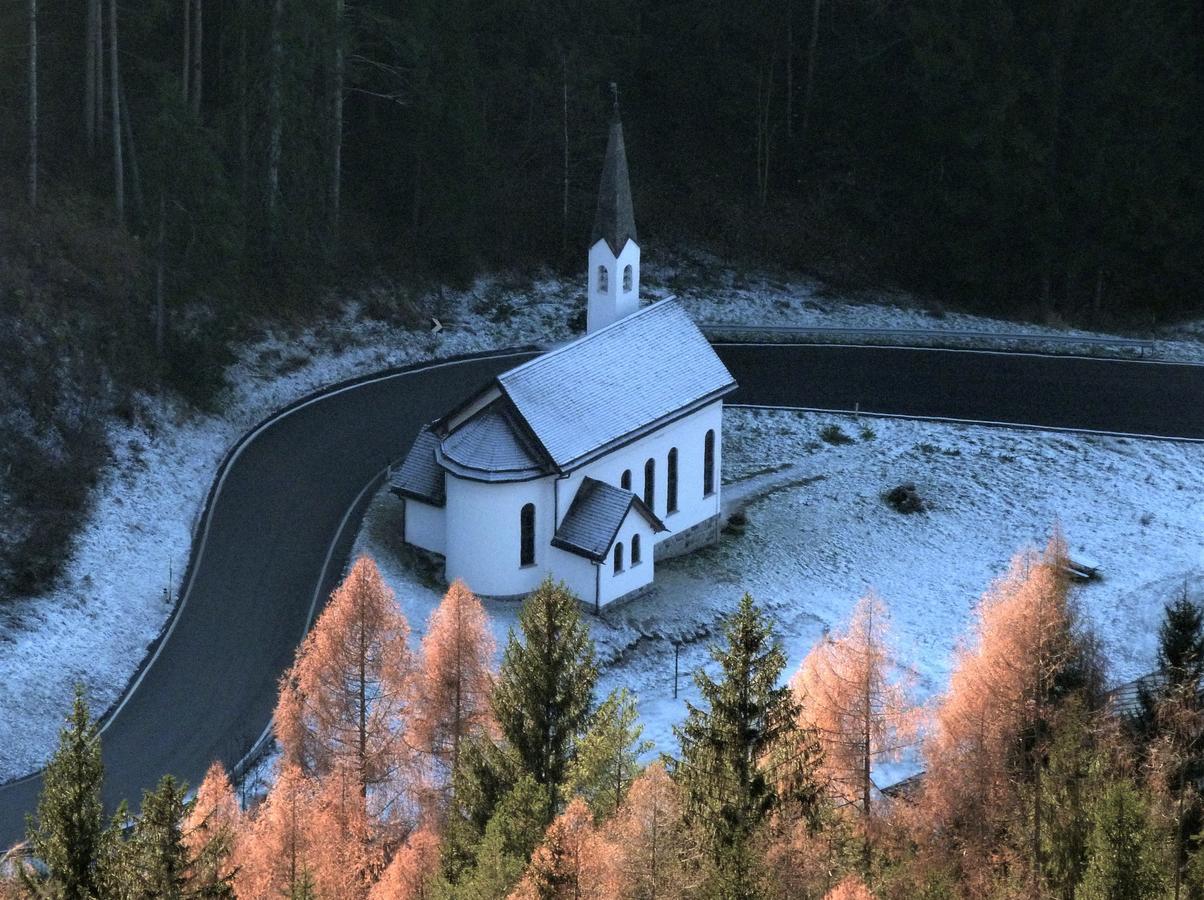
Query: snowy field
x=818, y=541
x=117, y=592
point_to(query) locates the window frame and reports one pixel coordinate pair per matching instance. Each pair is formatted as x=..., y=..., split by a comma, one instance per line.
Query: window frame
x=618, y=567
x=625, y=480
x=671, y=482
x=650, y=483
x=526, y=536
x=635, y=550
x=708, y=463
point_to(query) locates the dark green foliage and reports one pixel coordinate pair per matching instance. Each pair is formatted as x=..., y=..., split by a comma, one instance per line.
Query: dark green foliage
x=735, y=752
x=544, y=691
x=1180, y=663
x=155, y=859
x=484, y=775
x=68, y=832
x=607, y=758
x=1123, y=853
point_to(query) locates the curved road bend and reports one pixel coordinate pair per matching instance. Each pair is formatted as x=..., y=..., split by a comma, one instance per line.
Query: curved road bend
x=273, y=530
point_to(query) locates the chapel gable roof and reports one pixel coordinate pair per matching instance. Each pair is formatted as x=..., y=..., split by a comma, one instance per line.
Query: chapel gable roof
x=615, y=383
x=594, y=518
x=420, y=477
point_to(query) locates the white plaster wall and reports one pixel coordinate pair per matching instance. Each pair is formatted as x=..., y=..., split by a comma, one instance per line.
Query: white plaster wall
x=687, y=435
x=425, y=526
x=579, y=573
x=614, y=584
x=614, y=303
x=483, y=534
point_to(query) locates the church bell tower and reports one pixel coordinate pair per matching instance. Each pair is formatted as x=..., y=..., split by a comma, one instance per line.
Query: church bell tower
x=614, y=255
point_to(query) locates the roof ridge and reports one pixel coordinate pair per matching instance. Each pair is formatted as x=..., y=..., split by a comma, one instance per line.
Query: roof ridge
x=578, y=341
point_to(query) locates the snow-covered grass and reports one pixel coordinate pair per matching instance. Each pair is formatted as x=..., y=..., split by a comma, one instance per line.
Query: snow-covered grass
x=96, y=625
x=815, y=543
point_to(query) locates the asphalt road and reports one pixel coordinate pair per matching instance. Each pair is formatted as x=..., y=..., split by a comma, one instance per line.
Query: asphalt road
x=286, y=509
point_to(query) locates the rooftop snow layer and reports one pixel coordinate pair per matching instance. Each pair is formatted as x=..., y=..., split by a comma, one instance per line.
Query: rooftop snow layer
x=489, y=446
x=616, y=381
x=420, y=475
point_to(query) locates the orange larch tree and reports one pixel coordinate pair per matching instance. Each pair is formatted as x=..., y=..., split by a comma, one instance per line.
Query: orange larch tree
x=454, y=680
x=574, y=862
x=410, y=872
x=851, y=888
x=992, y=728
x=860, y=711
x=210, y=830
x=271, y=857
x=650, y=840
x=345, y=702
x=343, y=858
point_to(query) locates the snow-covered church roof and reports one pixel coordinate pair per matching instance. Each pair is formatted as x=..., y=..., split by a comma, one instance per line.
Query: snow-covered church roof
x=570, y=405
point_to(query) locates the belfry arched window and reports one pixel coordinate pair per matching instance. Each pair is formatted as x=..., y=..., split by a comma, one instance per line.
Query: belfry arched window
x=602, y=280
x=526, y=553
x=627, y=278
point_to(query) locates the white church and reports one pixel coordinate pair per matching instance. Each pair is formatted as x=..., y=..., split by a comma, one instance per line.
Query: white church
x=589, y=462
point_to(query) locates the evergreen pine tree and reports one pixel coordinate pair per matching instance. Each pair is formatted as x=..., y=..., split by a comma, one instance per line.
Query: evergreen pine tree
x=68, y=831
x=728, y=790
x=157, y=858
x=1180, y=660
x=608, y=754
x=545, y=687
x=1122, y=853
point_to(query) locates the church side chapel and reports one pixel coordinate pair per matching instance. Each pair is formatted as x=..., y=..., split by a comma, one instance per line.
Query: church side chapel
x=590, y=462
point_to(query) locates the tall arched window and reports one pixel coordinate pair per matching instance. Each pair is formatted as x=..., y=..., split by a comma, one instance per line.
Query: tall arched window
x=708, y=464
x=671, y=483
x=627, y=278
x=625, y=480
x=526, y=553
x=602, y=280
x=618, y=557
x=635, y=549
x=650, y=483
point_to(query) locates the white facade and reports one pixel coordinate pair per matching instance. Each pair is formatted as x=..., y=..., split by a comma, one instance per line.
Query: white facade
x=688, y=436
x=425, y=525
x=614, y=291
x=479, y=529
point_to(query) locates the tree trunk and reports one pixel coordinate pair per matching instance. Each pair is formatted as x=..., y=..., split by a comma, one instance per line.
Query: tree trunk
x=197, y=45
x=336, y=125
x=135, y=173
x=115, y=104
x=90, y=78
x=98, y=56
x=275, y=126
x=160, y=267
x=865, y=771
x=809, y=84
x=244, y=125
x=564, y=202
x=32, y=184
x=790, y=70
x=187, y=66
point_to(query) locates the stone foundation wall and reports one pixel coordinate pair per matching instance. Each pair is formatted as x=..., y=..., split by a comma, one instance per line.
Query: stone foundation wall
x=700, y=535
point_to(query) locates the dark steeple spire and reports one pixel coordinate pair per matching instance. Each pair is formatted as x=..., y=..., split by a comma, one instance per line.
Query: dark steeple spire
x=615, y=220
